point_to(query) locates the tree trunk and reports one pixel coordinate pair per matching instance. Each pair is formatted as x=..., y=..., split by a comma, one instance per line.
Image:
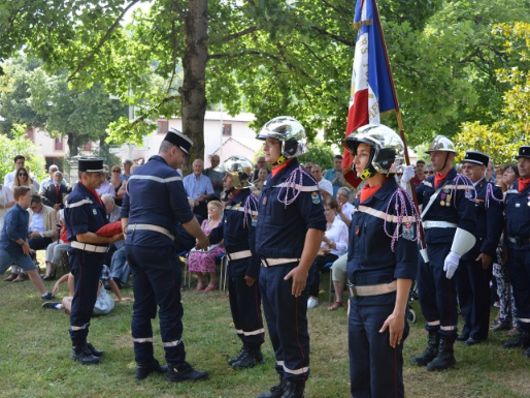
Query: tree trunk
x=193, y=91
x=72, y=145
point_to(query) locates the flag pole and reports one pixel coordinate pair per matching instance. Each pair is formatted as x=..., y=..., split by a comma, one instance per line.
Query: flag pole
x=401, y=128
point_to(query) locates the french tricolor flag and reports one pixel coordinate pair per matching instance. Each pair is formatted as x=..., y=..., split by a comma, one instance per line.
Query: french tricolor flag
x=371, y=84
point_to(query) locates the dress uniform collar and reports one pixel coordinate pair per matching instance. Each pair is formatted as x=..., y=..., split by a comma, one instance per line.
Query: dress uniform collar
x=387, y=188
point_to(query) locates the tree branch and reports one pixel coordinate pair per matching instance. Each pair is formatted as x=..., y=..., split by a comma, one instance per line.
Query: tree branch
x=340, y=39
x=101, y=42
x=146, y=114
x=236, y=35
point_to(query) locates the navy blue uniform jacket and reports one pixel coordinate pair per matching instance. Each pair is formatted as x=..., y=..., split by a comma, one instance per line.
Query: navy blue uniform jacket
x=155, y=195
x=238, y=229
x=518, y=215
x=461, y=212
x=371, y=260
x=281, y=229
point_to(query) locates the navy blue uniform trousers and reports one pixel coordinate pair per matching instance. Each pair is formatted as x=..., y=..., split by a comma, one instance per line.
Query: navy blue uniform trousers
x=157, y=281
x=473, y=285
x=86, y=269
x=519, y=268
x=376, y=369
x=245, y=305
x=287, y=322
x=437, y=293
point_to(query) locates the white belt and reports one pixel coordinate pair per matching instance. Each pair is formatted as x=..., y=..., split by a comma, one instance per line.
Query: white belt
x=88, y=247
x=150, y=227
x=271, y=262
x=438, y=224
x=373, y=290
x=239, y=255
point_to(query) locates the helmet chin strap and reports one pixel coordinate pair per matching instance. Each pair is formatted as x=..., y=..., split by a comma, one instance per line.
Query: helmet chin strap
x=369, y=171
x=280, y=160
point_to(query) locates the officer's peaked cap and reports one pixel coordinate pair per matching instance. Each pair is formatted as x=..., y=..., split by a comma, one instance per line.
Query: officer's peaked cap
x=90, y=164
x=476, y=157
x=179, y=139
x=524, y=152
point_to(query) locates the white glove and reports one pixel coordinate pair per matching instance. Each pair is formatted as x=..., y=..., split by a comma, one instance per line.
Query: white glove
x=408, y=174
x=451, y=264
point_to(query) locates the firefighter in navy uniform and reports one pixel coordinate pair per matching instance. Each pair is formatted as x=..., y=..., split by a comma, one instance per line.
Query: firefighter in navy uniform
x=474, y=273
x=84, y=214
x=517, y=240
x=289, y=231
x=382, y=263
x=153, y=207
x=449, y=221
x=238, y=232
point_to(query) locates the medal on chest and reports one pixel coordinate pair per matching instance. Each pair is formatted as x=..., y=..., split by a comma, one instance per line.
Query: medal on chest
x=445, y=197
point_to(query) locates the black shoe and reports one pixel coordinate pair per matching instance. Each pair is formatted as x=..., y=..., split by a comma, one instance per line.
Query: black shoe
x=51, y=305
x=293, y=389
x=430, y=351
x=47, y=296
x=237, y=357
x=94, y=351
x=248, y=360
x=520, y=340
x=464, y=336
x=473, y=341
x=145, y=369
x=445, y=358
x=275, y=391
x=84, y=356
x=184, y=372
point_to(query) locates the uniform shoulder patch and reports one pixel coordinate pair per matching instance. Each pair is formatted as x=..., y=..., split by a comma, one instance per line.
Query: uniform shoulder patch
x=315, y=198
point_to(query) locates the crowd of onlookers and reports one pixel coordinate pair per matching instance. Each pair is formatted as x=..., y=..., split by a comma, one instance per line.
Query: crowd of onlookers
x=206, y=192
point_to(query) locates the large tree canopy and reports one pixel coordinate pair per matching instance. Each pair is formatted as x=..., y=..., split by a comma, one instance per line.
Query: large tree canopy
x=268, y=57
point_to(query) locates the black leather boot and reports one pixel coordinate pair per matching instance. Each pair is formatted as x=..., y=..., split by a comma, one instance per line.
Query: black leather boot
x=294, y=389
x=184, y=372
x=145, y=369
x=84, y=356
x=275, y=391
x=94, y=351
x=430, y=351
x=249, y=359
x=520, y=340
x=446, y=357
x=237, y=357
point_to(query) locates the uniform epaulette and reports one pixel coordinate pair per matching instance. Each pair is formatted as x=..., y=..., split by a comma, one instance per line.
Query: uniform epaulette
x=291, y=188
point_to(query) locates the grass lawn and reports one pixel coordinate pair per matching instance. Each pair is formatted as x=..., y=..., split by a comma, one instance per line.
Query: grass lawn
x=35, y=348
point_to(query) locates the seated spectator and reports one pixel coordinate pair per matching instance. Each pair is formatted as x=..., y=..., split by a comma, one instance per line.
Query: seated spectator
x=48, y=180
x=260, y=165
x=345, y=208
x=54, y=193
x=118, y=184
x=6, y=202
x=127, y=170
x=199, y=188
x=14, y=246
x=106, y=187
x=104, y=302
x=56, y=250
x=42, y=224
x=9, y=178
x=335, y=174
x=204, y=262
x=119, y=268
x=22, y=178
x=326, y=189
x=334, y=244
x=260, y=181
x=215, y=176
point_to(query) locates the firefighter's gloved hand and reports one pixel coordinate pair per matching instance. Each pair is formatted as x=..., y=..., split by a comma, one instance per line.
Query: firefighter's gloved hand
x=451, y=264
x=408, y=174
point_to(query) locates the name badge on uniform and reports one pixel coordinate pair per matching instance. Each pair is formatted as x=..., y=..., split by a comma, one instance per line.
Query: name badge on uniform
x=95, y=212
x=518, y=204
x=315, y=197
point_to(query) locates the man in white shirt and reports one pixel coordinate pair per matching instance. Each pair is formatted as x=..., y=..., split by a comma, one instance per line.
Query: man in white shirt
x=48, y=180
x=325, y=186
